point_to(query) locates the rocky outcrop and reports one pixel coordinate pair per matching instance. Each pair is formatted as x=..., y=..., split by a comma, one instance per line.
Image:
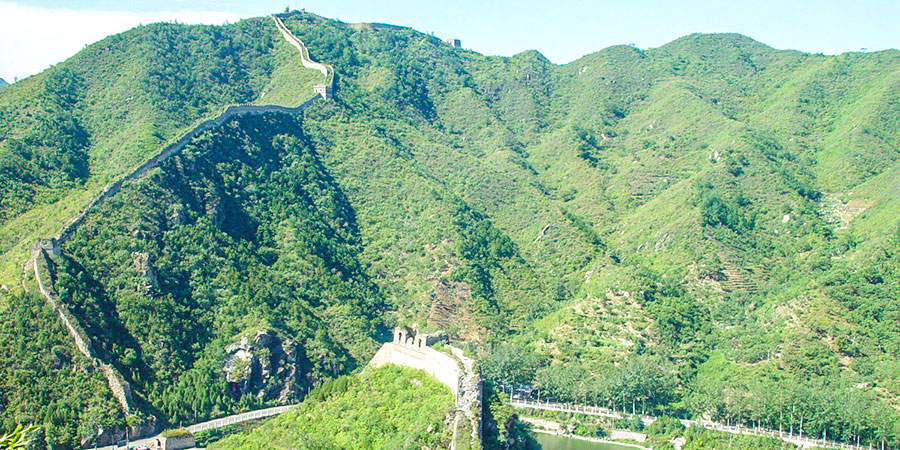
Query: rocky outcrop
x=3, y=83
x=141, y=263
x=111, y=436
x=265, y=365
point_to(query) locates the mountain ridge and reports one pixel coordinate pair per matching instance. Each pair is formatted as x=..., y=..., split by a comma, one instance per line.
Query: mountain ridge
x=633, y=208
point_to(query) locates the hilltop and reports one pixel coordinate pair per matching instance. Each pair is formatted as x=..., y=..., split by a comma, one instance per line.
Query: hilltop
x=667, y=224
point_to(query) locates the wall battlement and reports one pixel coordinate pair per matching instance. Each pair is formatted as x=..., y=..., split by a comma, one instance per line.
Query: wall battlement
x=409, y=349
x=454, y=370
x=417, y=341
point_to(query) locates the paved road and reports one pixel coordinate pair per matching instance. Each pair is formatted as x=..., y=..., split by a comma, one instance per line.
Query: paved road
x=800, y=441
x=213, y=424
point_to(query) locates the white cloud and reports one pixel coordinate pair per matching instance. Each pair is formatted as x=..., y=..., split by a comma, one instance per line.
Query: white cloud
x=32, y=39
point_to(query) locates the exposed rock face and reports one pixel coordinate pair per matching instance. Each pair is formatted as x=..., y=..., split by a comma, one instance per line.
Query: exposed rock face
x=3, y=83
x=142, y=265
x=214, y=210
x=264, y=365
x=176, y=217
x=110, y=436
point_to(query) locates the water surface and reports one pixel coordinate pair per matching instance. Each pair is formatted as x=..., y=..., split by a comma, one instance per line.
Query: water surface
x=553, y=442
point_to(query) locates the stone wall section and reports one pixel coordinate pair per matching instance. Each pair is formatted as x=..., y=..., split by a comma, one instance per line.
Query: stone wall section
x=227, y=113
x=468, y=403
x=44, y=248
x=171, y=149
x=455, y=370
x=323, y=89
x=120, y=388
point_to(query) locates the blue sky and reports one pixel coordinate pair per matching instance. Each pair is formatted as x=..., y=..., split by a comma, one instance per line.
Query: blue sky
x=37, y=33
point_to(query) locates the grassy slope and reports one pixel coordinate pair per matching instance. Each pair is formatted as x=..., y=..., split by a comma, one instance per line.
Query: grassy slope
x=385, y=408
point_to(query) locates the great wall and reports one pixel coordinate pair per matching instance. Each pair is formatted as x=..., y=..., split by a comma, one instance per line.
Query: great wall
x=120, y=388
x=408, y=349
x=456, y=371
x=44, y=250
x=323, y=91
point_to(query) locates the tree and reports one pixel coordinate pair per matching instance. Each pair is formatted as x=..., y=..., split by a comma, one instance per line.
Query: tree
x=18, y=438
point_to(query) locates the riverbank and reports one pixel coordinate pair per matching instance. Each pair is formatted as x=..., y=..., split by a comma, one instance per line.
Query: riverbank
x=574, y=441
x=549, y=427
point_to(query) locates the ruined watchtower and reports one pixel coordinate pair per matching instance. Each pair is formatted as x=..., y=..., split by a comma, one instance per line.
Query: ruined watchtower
x=454, y=42
x=324, y=90
x=50, y=246
x=417, y=341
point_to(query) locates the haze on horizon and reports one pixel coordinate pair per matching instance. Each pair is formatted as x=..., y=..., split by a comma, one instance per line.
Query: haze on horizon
x=37, y=34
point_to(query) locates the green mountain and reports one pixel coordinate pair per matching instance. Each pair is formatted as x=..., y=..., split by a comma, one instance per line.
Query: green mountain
x=72, y=129
x=651, y=227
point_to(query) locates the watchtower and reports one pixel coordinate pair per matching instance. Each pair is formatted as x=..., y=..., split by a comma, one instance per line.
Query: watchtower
x=51, y=246
x=454, y=42
x=415, y=340
x=324, y=90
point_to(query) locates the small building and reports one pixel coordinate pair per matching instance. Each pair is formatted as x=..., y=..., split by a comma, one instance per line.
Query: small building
x=175, y=440
x=324, y=90
x=454, y=42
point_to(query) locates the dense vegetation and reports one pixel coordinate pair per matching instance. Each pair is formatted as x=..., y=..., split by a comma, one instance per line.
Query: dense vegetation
x=67, y=131
x=645, y=229
x=385, y=408
x=244, y=230
x=46, y=381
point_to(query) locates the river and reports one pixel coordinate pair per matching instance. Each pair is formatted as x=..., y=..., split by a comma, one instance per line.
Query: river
x=554, y=442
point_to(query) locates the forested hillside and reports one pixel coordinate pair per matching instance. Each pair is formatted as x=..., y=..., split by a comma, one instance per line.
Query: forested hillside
x=648, y=228
x=70, y=130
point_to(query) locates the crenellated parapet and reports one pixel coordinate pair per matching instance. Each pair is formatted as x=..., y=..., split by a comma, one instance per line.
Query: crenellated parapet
x=410, y=348
x=417, y=341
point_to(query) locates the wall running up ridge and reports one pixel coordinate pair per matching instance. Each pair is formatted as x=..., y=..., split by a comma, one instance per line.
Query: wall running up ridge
x=456, y=371
x=326, y=70
x=43, y=248
x=120, y=388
